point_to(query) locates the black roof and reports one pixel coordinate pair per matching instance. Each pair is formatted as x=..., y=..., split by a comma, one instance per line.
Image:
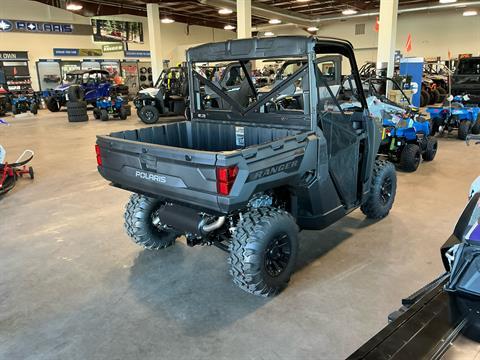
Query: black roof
x=295, y=46
x=92, y=71
x=253, y=48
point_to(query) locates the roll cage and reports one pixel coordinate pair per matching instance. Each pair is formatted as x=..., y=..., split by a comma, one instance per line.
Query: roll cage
x=246, y=50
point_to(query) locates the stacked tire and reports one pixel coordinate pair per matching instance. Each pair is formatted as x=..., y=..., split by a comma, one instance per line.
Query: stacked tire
x=76, y=107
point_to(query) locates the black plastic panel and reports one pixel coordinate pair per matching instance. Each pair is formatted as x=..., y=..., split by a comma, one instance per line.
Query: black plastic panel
x=206, y=136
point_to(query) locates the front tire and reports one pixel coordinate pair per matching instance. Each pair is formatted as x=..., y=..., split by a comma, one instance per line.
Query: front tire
x=380, y=199
x=410, y=157
x=149, y=114
x=463, y=129
x=103, y=115
x=122, y=114
x=34, y=109
x=52, y=104
x=430, y=149
x=96, y=113
x=263, y=251
x=139, y=226
x=476, y=128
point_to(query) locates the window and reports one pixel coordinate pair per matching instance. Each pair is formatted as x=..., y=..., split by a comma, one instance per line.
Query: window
x=291, y=98
x=337, y=89
x=235, y=87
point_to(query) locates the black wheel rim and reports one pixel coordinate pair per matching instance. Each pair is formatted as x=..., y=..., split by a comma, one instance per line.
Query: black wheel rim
x=386, y=190
x=149, y=115
x=277, y=255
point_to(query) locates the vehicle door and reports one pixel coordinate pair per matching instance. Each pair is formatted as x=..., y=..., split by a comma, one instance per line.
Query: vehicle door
x=103, y=85
x=341, y=110
x=90, y=86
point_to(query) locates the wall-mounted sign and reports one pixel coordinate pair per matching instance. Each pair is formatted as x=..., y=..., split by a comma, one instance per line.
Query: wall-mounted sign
x=13, y=55
x=112, y=47
x=7, y=25
x=114, y=30
x=137, y=53
x=464, y=56
x=76, y=52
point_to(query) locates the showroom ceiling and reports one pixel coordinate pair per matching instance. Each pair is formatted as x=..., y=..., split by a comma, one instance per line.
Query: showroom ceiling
x=205, y=12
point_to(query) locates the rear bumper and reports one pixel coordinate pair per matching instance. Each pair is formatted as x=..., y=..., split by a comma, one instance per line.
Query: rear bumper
x=160, y=186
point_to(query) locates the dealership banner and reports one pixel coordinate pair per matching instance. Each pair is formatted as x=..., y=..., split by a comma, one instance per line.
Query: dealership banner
x=40, y=27
x=76, y=52
x=117, y=31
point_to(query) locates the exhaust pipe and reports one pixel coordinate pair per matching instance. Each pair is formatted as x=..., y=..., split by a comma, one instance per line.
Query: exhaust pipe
x=186, y=219
x=217, y=224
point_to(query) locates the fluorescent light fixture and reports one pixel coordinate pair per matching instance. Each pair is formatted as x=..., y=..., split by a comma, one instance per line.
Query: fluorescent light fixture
x=303, y=1
x=312, y=29
x=229, y=27
x=167, y=20
x=269, y=33
x=447, y=1
x=74, y=6
x=349, y=12
x=274, y=21
x=470, y=13
x=225, y=11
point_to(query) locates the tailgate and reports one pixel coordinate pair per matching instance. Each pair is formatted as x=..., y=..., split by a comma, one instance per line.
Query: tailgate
x=168, y=172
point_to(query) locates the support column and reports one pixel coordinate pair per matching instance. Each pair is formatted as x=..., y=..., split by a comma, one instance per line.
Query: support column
x=154, y=39
x=244, y=19
x=387, y=35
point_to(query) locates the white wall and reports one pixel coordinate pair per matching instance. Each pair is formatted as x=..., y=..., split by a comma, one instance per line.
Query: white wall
x=176, y=37
x=433, y=34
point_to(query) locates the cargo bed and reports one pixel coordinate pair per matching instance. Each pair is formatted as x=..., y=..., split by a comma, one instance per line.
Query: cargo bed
x=205, y=136
x=178, y=161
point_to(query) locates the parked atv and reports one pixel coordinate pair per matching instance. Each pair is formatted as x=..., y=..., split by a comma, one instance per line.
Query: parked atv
x=107, y=107
x=406, y=141
x=455, y=114
x=167, y=98
x=23, y=103
x=83, y=85
x=248, y=172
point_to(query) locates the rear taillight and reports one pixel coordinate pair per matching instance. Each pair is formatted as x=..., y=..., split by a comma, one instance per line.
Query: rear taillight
x=99, y=155
x=225, y=178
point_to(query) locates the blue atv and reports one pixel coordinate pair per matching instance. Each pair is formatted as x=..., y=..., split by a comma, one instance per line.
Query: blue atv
x=406, y=139
x=23, y=103
x=457, y=115
x=107, y=107
x=81, y=85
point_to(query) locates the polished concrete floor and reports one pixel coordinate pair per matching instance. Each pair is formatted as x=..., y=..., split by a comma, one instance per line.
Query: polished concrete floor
x=73, y=286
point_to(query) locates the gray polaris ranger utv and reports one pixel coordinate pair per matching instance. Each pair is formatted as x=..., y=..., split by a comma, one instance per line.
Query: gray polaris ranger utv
x=255, y=165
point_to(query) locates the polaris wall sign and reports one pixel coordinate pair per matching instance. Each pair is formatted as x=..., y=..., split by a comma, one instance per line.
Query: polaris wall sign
x=44, y=27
